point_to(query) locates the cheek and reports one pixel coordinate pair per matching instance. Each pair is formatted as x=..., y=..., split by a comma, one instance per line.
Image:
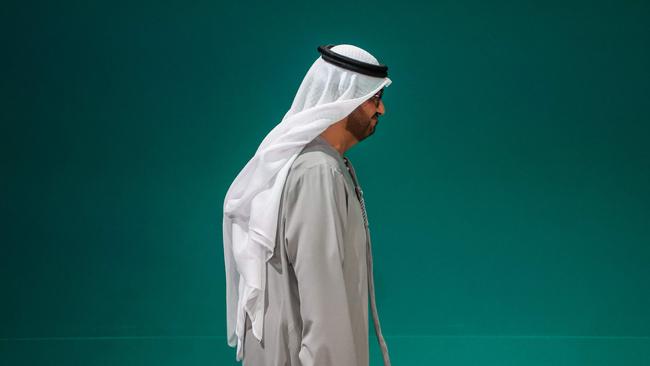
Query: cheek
x=369, y=112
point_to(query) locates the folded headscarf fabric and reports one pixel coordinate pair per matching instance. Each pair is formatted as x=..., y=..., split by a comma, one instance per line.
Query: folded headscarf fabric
x=327, y=94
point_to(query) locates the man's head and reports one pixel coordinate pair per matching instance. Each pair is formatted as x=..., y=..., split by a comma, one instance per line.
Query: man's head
x=338, y=97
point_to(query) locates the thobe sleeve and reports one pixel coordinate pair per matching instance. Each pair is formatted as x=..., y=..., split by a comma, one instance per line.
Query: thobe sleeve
x=314, y=227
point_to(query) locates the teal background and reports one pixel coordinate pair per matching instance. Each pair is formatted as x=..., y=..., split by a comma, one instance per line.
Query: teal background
x=507, y=184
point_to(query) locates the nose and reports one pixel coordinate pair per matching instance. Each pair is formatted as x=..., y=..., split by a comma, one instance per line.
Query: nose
x=381, y=109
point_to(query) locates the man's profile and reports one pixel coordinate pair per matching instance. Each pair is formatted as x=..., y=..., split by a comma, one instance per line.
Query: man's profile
x=296, y=242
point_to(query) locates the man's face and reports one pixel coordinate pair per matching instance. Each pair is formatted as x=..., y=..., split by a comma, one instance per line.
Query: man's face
x=363, y=120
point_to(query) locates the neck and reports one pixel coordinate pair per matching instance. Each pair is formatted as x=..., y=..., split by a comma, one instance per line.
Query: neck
x=339, y=138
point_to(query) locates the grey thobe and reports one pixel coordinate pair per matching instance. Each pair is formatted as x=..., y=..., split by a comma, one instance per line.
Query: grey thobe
x=318, y=279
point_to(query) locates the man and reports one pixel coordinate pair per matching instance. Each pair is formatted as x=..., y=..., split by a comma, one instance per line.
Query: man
x=309, y=287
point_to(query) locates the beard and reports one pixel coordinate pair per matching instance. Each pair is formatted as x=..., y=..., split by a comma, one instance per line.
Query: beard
x=360, y=126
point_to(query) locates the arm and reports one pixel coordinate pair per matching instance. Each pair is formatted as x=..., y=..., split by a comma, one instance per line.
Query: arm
x=315, y=223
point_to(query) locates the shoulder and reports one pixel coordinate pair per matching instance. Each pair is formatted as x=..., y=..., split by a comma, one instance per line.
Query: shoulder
x=315, y=160
x=315, y=170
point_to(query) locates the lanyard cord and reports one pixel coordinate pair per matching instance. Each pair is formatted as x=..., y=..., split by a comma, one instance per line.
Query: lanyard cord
x=371, y=280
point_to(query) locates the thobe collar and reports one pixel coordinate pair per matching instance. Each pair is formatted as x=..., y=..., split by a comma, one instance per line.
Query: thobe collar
x=321, y=144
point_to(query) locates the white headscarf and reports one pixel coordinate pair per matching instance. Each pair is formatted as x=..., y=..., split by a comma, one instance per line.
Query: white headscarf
x=327, y=94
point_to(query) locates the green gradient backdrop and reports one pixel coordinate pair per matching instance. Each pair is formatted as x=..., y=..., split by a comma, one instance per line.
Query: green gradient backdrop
x=507, y=185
